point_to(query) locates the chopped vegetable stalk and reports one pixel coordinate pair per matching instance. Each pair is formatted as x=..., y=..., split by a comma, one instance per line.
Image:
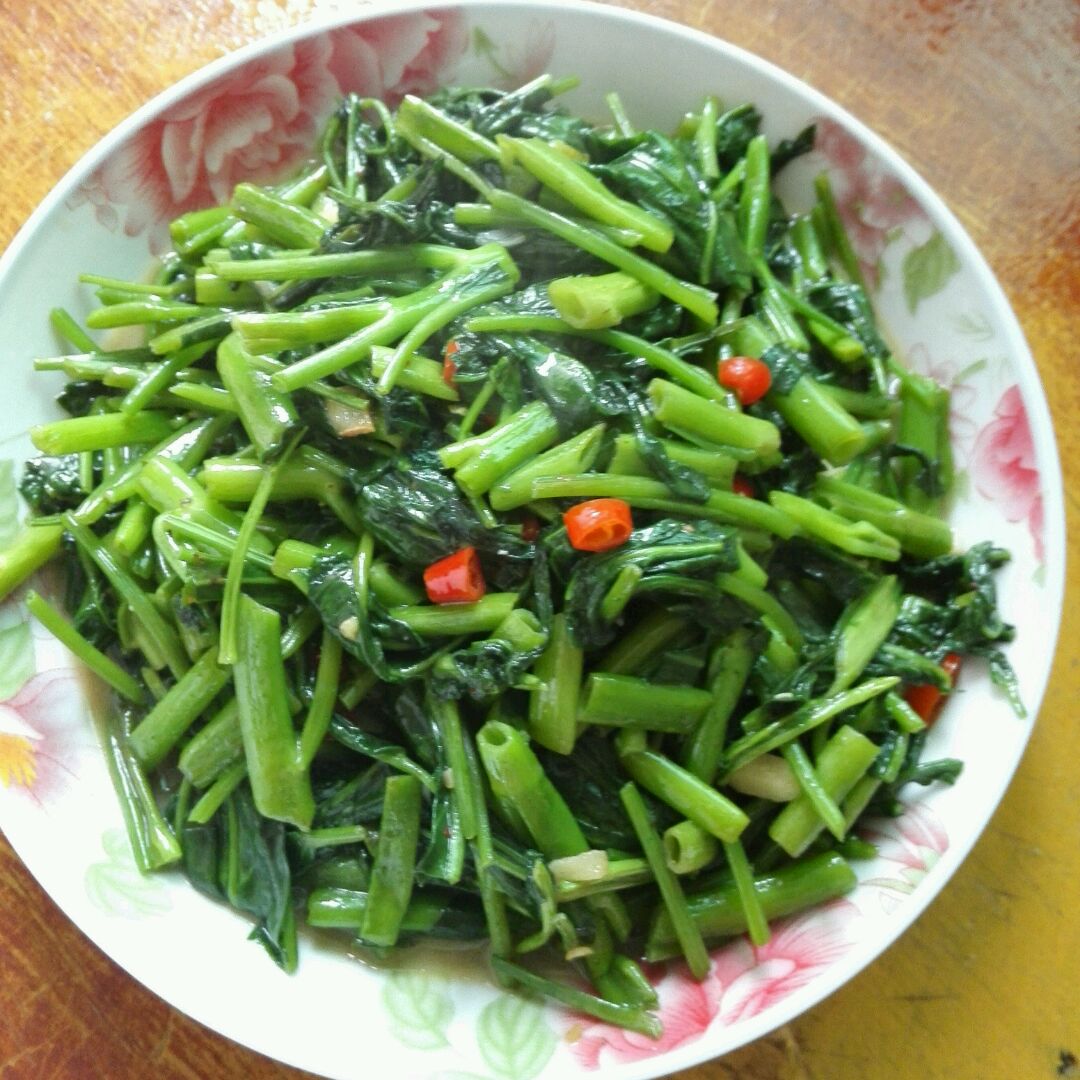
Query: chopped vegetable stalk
x=918, y=534
x=478, y=617
x=719, y=913
x=679, y=409
x=688, y=848
x=681, y=790
x=754, y=203
x=574, y=183
x=570, y=458
x=626, y=459
x=214, y=748
x=778, y=733
x=620, y=700
x=31, y=549
x=324, y=695
x=106, y=669
x=280, y=783
x=419, y=118
x=392, y=875
x=863, y=628
x=842, y=763
x=482, y=275
x=858, y=538
x=663, y=360
x=742, y=874
x=595, y=303
x=924, y=426
x=159, y=633
x=826, y=426
x=638, y=491
x=268, y=416
x=153, y=843
x=813, y=789
x=553, y=704
x=519, y=440
x=682, y=922
x=419, y=374
x=291, y=225
x=160, y=730
x=100, y=432
x=694, y=298
x=730, y=666
x=517, y=777
x=632, y=1017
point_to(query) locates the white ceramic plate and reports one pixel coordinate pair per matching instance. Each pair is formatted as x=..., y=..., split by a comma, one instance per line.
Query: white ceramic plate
x=254, y=113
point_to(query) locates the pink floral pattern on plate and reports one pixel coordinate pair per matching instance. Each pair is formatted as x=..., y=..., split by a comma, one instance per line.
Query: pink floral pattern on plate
x=259, y=122
x=521, y=60
x=1004, y=469
x=915, y=841
x=40, y=728
x=873, y=204
x=963, y=397
x=742, y=983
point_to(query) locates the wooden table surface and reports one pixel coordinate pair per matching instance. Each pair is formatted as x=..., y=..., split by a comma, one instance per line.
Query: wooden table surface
x=980, y=96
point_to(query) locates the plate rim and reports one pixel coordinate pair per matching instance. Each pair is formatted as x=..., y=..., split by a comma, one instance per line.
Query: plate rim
x=1025, y=368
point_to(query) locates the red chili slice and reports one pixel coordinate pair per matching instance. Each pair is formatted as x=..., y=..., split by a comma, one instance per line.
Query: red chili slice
x=599, y=524
x=741, y=486
x=457, y=579
x=749, y=378
x=449, y=368
x=926, y=698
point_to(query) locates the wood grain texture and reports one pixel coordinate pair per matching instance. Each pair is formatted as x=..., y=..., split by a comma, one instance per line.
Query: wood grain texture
x=980, y=97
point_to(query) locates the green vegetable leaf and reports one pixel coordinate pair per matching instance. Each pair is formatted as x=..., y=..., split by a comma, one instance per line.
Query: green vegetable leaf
x=419, y=514
x=658, y=174
x=672, y=556
x=51, y=484
x=787, y=367
x=421, y=1008
x=589, y=780
x=787, y=150
x=513, y=1038
x=927, y=269
x=849, y=306
x=443, y=402
x=239, y=857
x=481, y=670
x=379, y=749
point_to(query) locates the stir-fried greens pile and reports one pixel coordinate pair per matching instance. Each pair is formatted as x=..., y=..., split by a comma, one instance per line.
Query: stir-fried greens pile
x=510, y=529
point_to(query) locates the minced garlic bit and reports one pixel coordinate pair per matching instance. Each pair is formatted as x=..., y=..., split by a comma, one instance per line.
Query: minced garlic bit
x=578, y=952
x=349, y=420
x=766, y=777
x=590, y=865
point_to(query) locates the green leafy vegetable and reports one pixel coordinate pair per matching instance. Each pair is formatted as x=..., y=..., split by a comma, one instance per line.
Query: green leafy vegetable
x=465, y=316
